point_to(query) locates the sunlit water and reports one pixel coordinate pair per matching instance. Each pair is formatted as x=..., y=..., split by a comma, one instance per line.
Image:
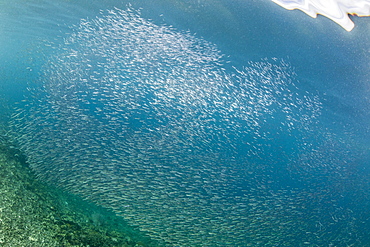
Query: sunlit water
x=204, y=124
x=336, y=10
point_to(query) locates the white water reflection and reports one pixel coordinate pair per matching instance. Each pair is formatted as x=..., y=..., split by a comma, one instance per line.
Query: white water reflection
x=336, y=10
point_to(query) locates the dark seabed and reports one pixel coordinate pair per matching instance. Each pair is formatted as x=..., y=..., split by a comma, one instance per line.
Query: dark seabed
x=182, y=123
x=33, y=214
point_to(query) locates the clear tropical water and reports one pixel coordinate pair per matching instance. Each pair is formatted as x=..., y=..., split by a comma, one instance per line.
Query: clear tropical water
x=223, y=123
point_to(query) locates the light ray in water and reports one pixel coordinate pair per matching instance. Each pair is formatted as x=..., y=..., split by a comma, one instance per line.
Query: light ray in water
x=336, y=10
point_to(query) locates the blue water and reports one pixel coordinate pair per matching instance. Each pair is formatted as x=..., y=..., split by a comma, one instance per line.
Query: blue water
x=264, y=146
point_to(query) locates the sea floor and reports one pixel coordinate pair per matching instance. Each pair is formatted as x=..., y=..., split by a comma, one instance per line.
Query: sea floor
x=36, y=214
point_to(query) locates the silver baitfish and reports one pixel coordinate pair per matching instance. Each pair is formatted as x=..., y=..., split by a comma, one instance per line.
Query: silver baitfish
x=146, y=120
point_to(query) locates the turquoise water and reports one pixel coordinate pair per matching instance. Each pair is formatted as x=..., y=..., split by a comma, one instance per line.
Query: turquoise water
x=223, y=123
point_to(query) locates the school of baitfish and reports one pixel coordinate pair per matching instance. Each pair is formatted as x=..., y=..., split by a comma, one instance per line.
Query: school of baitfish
x=146, y=120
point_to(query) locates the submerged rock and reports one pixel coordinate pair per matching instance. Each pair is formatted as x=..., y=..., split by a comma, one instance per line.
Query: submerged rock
x=35, y=214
